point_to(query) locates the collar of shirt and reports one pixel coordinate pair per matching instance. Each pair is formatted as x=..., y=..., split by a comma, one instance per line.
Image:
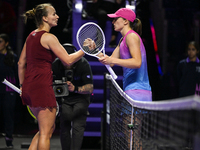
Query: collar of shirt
x=188, y=60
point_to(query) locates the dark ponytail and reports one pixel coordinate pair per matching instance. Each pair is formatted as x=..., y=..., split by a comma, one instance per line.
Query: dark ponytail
x=9, y=57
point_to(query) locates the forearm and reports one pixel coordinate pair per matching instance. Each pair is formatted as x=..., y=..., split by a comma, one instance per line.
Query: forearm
x=21, y=76
x=21, y=72
x=77, y=56
x=71, y=59
x=85, y=89
x=22, y=65
x=128, y=63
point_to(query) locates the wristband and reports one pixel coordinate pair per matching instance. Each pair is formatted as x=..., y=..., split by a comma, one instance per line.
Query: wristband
x=20, y=85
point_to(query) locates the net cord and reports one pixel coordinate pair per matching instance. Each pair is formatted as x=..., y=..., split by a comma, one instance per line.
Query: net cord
x=189, y=102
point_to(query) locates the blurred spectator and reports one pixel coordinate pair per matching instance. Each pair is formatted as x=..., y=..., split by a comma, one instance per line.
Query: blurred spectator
x=8, y=22
x=188, y=72
x=8, y=67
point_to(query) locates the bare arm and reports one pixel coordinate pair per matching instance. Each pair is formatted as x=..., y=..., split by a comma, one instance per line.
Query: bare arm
x=85, y=89
x=50, y=42
x=133, y=43
x=22, y=65
x=115, y=54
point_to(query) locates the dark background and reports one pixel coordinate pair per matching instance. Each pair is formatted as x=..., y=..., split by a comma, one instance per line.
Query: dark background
x=176, y=22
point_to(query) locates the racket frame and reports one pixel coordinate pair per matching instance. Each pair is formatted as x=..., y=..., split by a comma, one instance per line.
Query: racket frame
x=102, y=49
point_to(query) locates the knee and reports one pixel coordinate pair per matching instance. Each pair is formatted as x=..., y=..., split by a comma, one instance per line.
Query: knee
x=47, y=133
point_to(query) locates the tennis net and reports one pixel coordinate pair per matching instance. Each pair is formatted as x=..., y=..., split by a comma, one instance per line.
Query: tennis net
x=162, y=125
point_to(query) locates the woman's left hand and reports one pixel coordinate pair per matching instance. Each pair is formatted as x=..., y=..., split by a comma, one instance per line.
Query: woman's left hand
x=106, y=60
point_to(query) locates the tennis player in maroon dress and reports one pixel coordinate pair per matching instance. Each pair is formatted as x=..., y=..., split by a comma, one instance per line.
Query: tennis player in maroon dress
x=35, y=75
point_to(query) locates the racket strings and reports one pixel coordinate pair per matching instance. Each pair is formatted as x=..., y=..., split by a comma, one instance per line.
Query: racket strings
x=93, y=32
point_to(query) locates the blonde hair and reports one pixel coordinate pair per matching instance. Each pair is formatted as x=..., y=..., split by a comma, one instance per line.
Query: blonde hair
x=37, y=13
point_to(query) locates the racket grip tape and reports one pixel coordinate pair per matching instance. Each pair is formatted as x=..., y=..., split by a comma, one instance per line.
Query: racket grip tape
x=111, y=71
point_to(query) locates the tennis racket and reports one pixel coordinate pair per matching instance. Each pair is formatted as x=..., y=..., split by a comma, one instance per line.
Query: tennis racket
x=93, y=31
x=16, y=89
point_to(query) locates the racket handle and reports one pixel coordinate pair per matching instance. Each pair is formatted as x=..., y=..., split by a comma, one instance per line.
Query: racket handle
x=111, y=71
x=12, y=86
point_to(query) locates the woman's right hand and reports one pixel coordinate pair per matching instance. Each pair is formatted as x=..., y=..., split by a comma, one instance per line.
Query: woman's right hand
x=21, y=91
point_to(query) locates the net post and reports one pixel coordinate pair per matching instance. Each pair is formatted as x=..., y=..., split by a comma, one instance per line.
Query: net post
x=103, y=116
x=132, y=128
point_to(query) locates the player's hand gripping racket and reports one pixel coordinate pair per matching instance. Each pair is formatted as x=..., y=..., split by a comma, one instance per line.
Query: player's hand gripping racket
x=93, y=31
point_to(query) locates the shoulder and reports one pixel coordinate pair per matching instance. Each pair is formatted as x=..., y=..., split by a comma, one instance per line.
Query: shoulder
x=82, y=61
x=49, y=36
x=133, y=36
x=49, y=41
x=132, y=39
x=182, y=61
x=82, y=64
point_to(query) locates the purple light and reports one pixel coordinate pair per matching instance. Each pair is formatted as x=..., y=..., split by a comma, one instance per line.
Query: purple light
x=155, y=46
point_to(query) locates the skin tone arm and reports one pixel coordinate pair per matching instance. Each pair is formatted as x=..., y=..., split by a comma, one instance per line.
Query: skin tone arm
x=49, y=41
x=85, y=89
x=133, y=43
x=22, y=65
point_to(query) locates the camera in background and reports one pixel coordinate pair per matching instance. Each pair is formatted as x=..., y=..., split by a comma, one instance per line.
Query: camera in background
x=60, y=88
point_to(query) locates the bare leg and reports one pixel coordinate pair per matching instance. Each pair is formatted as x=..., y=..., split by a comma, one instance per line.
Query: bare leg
x=46, y=123
x=34, y=142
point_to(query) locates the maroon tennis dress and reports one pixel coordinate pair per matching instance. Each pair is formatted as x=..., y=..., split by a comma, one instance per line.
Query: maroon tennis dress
x=37, y=90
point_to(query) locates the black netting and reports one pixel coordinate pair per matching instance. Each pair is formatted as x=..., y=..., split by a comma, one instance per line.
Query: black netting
x=151, y=126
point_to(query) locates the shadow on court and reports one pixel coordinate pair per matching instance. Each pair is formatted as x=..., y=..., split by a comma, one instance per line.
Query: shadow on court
x=22, y=142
